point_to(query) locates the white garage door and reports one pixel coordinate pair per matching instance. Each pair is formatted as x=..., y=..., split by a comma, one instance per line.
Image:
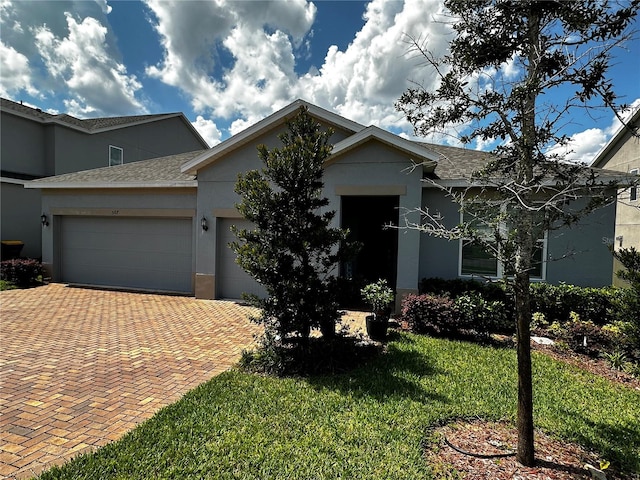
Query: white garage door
x=232, y=281
x=145, y=253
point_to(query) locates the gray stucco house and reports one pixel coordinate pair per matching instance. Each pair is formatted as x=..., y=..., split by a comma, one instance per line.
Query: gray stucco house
x=622, y=154
x=36, y=144
x=164, y=223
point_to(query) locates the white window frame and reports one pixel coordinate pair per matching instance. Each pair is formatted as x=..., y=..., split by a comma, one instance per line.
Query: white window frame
x=500, y=267
x=113, y=148
x=633, y=190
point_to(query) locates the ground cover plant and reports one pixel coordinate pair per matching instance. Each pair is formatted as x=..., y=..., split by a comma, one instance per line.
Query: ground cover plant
x=372, y=422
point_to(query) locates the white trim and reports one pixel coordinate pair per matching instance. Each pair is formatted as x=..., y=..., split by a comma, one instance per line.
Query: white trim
x=262, y=126
x=86, y=185
x=14, y=181
x=116, y=148
x=615, y=138
x=499, y=265
x=373, y=132
x=634, y=188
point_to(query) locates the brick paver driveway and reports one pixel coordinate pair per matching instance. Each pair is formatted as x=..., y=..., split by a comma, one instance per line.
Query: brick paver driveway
x=80, y=367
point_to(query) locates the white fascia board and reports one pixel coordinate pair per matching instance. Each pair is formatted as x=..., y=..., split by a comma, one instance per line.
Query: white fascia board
x=109, y=185
x=388, y=138
x=15, y=181
x=624, y=181
x=616, y=137
x=267, y=123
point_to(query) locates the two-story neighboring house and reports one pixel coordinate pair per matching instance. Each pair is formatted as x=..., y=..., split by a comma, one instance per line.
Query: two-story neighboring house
x=36, y=144
x=622, y=154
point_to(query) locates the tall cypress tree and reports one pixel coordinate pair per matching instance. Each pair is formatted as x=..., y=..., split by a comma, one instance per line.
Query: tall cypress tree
x=292, y=250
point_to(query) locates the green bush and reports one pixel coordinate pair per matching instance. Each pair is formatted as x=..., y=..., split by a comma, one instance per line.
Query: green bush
x=23, y=272
x=556, y=302
x=584, y=336
x=430, y=314
x=456, y=287
x=483, y=316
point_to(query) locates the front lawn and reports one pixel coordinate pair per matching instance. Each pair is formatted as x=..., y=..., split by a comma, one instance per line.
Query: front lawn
x=370, y=423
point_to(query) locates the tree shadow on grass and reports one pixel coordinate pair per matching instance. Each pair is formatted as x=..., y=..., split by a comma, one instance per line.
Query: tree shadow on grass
x=394, y=373
x=619, y=444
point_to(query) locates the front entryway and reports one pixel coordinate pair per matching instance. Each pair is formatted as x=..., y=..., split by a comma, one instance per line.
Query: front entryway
x=366, y=218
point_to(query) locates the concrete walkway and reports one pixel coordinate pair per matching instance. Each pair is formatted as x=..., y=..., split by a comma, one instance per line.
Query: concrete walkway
x=80, y=367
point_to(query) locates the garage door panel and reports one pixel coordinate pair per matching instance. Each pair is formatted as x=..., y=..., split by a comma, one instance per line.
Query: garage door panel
x=232, y=280
x=149, y=253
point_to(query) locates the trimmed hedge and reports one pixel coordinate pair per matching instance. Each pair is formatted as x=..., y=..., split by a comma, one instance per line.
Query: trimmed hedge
x=556, y=302
x=23, y=272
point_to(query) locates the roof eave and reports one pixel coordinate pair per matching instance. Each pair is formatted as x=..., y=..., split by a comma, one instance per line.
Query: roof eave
x=110, y=185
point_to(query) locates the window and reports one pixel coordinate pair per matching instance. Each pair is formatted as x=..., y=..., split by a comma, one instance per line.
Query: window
x=479, y=259
x=633, y=191
x=115, y=156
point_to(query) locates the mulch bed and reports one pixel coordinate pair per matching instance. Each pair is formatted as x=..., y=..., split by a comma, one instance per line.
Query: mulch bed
x=555, y=459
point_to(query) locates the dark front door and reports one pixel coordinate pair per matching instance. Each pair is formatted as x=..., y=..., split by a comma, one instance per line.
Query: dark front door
x=366, y=218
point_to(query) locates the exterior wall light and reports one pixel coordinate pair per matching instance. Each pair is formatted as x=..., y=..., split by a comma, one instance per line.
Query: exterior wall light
x=204, y=224
x=44, y=220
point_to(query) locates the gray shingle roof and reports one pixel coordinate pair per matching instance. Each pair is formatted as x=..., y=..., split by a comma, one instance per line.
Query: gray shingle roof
x=457, y=163
x=163, y=170
x=89, y=124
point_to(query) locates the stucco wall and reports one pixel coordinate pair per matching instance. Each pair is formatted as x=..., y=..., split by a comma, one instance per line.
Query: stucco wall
x=23, y=146
x=370, y=165
x=115, y=202
x=577, y=255
x=21, y=217
x=76, y=151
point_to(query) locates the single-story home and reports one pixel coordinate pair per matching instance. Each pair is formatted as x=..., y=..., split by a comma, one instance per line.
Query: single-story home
x=164, y=224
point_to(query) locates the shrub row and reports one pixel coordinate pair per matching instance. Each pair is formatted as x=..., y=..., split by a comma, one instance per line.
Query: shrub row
x=23, y=272
x=428, y=313
x=598, y=305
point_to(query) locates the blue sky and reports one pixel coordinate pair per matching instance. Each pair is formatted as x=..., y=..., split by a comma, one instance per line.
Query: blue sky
x=227, y=64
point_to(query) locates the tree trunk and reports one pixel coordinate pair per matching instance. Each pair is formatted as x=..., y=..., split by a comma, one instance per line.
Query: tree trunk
x=526, y=453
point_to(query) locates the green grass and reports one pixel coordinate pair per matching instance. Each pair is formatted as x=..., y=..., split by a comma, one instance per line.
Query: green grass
x=367, y=424
x=5, y=285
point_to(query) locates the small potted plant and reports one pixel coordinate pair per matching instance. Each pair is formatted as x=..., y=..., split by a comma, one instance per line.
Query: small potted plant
x=379, y=295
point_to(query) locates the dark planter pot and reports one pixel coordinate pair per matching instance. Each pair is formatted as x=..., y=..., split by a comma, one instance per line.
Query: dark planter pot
x=377, y=327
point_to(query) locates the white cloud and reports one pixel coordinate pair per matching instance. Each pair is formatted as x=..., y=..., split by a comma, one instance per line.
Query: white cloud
x=208, y=130
x=96, y=82
x=259, y=36
x=362, y=82
x=582, y=147
x=16, y=73
x=106, y=9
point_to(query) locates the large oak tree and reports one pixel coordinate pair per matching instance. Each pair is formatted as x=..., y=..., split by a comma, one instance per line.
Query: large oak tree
x=505, y=58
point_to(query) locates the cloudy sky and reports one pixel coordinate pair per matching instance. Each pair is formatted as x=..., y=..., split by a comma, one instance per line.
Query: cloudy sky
x=227, y=64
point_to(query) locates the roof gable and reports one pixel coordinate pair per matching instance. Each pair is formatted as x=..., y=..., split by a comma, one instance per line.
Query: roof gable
x=631, y=125
x=265, y=125
x=419, y=154
x=92, y=125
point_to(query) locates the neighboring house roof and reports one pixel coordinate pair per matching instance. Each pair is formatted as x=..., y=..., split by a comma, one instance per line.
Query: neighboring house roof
x=153, y=173
x=91, y=125
x=632, y=123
